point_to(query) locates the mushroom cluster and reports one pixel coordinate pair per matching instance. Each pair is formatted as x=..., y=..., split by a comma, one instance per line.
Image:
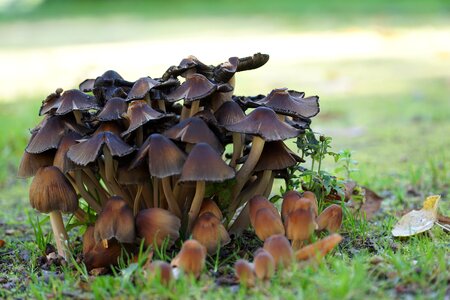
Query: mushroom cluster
x=159, y=159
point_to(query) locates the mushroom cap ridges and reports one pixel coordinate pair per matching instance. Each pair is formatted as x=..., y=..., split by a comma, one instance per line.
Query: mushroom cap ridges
x=51, y=191
x=264, y=122
x=115, y=221
x=205, y=164
x=210, y=232
x=155, y=225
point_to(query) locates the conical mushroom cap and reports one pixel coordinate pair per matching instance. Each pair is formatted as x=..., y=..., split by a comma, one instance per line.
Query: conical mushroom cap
x=274, y=156
x=210, y=232
x=257, y=202
x=50, y=103
x=266, y=224
x=194, y=88
x=263, y=122
x=225, y=71
x=155, y=225
x=209, y=206
x=320, y=248
x=191, y=258
x=264, y=264
x=245, y=272
x=140, y=113
x=229, y=113
x=31, y=163
x=300, y=224
x=51, y=191
x=88, y=150
x=205, y=164
x=280, y=249
x=164, y=157
x=194, y=130
x=61, y=161
x=330, y=218
x=288, y=204
x=289, y=103
x=113, y=110
x=116, y=220
x=141, y=88
x=72, y=100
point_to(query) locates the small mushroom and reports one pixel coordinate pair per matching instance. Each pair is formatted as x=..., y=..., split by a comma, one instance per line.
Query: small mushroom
x=31, y=163
x=300, y=225
x=319, y=249
x=245, y=273
x=191, y=258
x=116, y=220
x=288, y=204
x=210, y=232
x=155, y=225
x=113, y=110
x=280, y=249
x=264, y=264
x=330, y=219
x=162, y=271
x=50, y=192
x=101, y=257
x=209, y=206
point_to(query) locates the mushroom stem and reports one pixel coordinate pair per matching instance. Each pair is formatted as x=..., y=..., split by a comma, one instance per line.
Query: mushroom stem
x=137, y=199
x=59, y=232
x=81, y=215
x=297, y=244
x=269, y=186
x=139, y=136
x=184, y=113
x=246, y=170
x=84, y=193
x=196, y=202
x=171, y=201
x=162, y=105
x=78, y=116
x=238, y=141
x=94, y=188
x=195, y=106
x=109, y=165
x=155, y=192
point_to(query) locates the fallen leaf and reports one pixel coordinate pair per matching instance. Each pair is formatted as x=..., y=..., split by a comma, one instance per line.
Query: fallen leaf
x=417, y=221
x=443, y=219
x=372, y=203
x=2, y=243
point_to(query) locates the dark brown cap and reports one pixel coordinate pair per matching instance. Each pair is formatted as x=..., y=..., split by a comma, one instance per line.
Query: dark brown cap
x=205, y=164
x=116, y=220
x=252, y=62
x=101, y=257
x=164, y=157
x=72, y=100
x=143, y=86
x=31, y=163
x=210, y=232
x=61, y=160
x=194, y=130
x=113, y=110
x=290, y=103
x=275, y=156
x=51, y=103
x=263, y=122
x=51, y=191
x=229, y=113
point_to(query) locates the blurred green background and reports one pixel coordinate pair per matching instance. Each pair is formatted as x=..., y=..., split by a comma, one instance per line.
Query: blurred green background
x=381, y=68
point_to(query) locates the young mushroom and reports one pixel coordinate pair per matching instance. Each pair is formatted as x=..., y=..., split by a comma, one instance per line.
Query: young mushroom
x=191, y=258
x=264, y=264
x=50, y=192
x=300, y=224
x=330, y=218
x=210, y=232
x=245, y=273
x=155, y=225
x=264, y=218
x=160, y=270
x=280, y=249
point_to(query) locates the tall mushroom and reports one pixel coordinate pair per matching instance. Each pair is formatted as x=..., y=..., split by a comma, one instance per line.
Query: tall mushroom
x=50, y=192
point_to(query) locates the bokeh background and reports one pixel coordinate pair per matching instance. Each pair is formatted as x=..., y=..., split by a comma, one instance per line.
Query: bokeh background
x=381, y=68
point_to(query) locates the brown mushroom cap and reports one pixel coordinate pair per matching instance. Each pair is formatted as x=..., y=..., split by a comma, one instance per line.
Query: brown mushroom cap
x=300, y=224
x=252, y=62
x=140, y=113
x=266, y=224
x=51, y=191
x=245, y=272
x=88, y=150
x=257, y=202
x=320, y=248
x=209, y=206
x=205, y=164
x=155, y=225
x=31, y=163
x=101, y=257
x=191, y=258
x=225, y=71
x=47, y=135
x=291, y=103
x=194, y=88
x=141, y=88
x=210, y=232
x=50, y=103
x=164, y=157
x=113, y=110
x=160, y=270
x=288, y=205
x=72, y=100
x=263, y=122
x=61, y=161
x=194, y=130
x=116, y=220
x=280, y=249
x=275, y=156
x=264, y=264
x=330, y=218
x=229, y=113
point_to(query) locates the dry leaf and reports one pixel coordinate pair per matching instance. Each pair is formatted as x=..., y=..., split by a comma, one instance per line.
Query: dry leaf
x=417, y=221
x=372, y=203
x=2, y=243
x=319, y=249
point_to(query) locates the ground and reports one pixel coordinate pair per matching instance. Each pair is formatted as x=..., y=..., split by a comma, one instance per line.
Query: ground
x=386, y=98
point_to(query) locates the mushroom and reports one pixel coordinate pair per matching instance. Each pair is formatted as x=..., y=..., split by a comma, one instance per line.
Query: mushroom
x=101, y=257
x=319, y=249
x=191, y=258
x=209, y=232
x=50, y=192
x=155, y=225
x=113, y=110
x=203, y=164
x=31, y=163
x=300, y=224
x=264, y=264
x=160, y=270
x=264, y=125
x=115, y=221
x=280, y=249
x=245, y=273
x=267, y=224
x=330, y=219
x=209, y=206
x=76, y=102
x=88, y=240
x=288, y=204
